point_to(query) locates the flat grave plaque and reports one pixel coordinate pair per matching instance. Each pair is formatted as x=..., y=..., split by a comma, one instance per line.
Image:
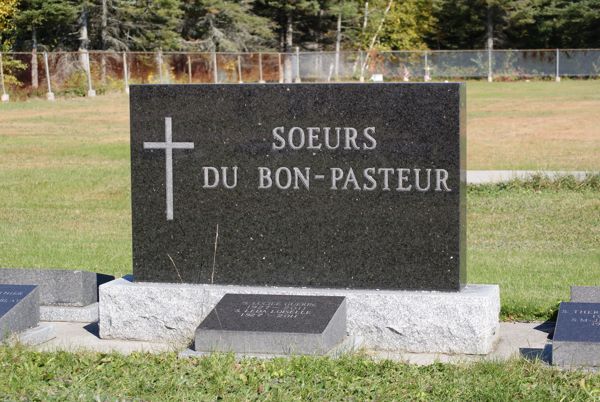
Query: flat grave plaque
x=273, y=324
x=316, y=185
x=576, y=340
x=60, y=287
x=19, y=308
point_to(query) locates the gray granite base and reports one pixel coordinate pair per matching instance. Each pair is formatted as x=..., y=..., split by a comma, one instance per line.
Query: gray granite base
x=346, y=346
x=585, y=294
x=87, y=313
x=38, y=335
x=56, y=286
x=465, y=322
x=576, y=354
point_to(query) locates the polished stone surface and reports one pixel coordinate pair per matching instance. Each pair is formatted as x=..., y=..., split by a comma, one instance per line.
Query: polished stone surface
x=585, y=294
x=19, y=308
x=58, y=286
x=281, y=324
x=576, y=340
x=339, y=224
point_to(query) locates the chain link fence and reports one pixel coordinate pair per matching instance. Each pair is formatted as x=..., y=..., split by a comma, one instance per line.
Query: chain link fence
x=86, y=73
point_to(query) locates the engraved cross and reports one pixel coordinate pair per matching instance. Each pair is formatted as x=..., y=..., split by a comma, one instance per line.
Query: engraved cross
x=168, y=146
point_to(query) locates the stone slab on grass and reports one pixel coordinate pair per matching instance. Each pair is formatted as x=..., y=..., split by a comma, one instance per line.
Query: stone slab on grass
x=276, y=324
x=37, y=335
x=57, y=286
x=19, y=308
x=585, y=294
x=87, y=313
x=576, y=341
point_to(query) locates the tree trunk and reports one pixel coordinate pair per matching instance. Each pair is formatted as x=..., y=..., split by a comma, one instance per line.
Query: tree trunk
x=366, y=17
x=83, y=31
x=83, y=39
x=362, y=32
x=34, y=61
x=289, y=43
x=338, y=42
x=374, y=38
x=289, y=33
x=489, y=29
x=103, y=36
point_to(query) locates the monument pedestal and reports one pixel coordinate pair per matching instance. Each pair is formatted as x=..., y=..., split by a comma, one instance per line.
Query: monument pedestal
x=464, y=322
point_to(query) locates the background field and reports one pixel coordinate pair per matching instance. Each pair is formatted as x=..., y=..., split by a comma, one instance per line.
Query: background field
x=64, y=188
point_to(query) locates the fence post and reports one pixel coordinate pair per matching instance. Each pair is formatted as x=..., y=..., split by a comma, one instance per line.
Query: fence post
x=280, y=69
x=362, y=70
x=297, y=79
x=86, y=57
x=490, y=76
x=34, y=69
x=215, y=71
x=189, y=65
x=240, y=80
x=557, y=65
x=427, y=76
x=125, y=73
x=49, y=94
x=159, y=61
x=260, y=70
x=5, y=96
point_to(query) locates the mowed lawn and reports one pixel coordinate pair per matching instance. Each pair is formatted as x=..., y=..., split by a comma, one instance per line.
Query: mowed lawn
x=65, y=203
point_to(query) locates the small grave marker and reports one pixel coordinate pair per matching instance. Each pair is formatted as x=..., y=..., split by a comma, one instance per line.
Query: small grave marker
x=585, y=294
x=576, y=340
x=19, y=308
x=273, y=324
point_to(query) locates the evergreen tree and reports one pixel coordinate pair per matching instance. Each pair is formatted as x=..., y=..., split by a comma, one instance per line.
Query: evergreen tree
x=225, y=25
x=136, y=24
x=49, y=23
x=288, y=15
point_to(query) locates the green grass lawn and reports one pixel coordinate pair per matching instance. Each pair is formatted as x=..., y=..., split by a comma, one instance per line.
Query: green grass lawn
x=534, y=243
x=27, y=375
x=65, y=202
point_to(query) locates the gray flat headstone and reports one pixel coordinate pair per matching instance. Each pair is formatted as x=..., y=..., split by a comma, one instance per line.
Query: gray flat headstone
x=585, y=294
x=319, y=185
x=273, y=324
x=19, y=308
x=576, y=341
x=57, y=286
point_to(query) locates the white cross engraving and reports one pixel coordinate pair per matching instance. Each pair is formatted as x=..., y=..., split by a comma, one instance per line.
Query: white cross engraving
x=168, y=146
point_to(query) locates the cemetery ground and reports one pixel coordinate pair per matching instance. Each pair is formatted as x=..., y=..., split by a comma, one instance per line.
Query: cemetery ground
x=65, y=203
x=29, y=375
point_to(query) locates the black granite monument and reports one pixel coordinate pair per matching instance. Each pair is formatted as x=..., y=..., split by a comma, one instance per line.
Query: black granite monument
x=19, y=308
x=320, y=185
x=576, y=340
x=273, y=324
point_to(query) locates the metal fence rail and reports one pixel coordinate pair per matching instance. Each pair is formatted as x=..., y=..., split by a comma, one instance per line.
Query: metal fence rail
x=89, y=72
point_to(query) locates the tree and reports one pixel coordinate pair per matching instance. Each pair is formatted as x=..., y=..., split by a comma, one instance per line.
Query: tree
x=8, y=12
x=287, y=14
x=136, y=24
x=225, y=25
x=49, y=23
x=407, y=25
